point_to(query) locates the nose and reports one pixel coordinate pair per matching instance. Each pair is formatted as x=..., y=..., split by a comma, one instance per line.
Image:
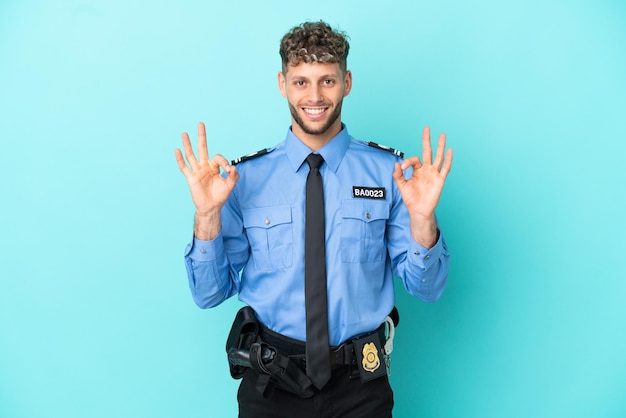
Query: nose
x=315, y=94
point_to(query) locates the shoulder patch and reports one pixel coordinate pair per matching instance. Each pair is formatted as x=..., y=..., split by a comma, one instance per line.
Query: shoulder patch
x=250, y=156
x=386, y=148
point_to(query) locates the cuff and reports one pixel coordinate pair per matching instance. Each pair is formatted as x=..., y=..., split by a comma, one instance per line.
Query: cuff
x=423, y=257
x=201, y=250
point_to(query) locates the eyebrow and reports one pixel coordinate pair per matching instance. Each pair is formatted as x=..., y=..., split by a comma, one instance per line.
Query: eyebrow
x=302, y=77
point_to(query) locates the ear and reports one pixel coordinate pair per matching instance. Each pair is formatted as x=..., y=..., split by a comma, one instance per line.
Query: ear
x=347, y=83
x=282, y=84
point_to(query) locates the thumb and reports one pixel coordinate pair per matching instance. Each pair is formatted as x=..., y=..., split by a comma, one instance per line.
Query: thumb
x=398, y=175
x=233, y=175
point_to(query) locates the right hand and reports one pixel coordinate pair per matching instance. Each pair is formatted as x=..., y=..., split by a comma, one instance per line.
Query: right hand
x=209, y=189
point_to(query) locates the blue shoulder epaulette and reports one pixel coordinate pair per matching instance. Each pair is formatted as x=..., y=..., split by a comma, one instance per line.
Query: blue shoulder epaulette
x=386, y=148
x=250, y=156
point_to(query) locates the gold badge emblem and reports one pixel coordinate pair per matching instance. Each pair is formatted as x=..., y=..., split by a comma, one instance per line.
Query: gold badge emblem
x=371, y=362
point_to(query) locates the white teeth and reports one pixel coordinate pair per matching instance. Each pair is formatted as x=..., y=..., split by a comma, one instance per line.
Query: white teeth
x=314, y=111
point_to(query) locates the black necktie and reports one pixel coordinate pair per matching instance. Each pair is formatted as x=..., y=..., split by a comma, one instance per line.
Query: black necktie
x=317, y=346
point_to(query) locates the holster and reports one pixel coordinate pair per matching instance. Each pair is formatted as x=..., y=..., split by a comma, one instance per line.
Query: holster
x=244, y=332
x=246, y=350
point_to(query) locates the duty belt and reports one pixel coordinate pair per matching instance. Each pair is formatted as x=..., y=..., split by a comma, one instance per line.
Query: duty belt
x=280, y=360
x=342, y=355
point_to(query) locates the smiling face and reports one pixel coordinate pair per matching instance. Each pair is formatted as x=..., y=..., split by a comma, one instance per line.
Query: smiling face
x=315, y=93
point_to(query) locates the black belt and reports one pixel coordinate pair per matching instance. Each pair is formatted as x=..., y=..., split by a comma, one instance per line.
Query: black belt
x=279, y=361
x=343, y=355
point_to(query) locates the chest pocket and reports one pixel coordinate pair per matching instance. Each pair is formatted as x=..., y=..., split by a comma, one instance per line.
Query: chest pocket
x=363, y=231
x=270, y=234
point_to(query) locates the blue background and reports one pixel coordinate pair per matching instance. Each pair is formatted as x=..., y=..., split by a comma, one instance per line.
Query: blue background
x=96, y=319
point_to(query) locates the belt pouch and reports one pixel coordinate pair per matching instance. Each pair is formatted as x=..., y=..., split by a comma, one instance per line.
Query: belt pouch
x=369, y=355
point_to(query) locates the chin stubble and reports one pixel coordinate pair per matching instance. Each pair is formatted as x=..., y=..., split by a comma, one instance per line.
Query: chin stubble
x=309, y=131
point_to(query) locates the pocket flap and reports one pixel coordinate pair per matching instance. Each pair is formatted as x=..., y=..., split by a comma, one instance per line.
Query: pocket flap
x=365, y=211
x=266, y=217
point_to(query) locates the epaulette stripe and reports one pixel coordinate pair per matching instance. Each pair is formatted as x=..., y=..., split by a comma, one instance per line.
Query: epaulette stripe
x=386, y=148
x=249, y=156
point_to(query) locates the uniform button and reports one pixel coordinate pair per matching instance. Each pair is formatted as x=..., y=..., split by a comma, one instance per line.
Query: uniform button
x=368, y=216
x=267, y=221
x=416, y=253
x=427, y=257
x=202, y=250
x=423, y=280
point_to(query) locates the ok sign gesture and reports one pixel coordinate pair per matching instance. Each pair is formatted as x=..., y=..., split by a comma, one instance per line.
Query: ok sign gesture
x=422, y=191
x=209, y=189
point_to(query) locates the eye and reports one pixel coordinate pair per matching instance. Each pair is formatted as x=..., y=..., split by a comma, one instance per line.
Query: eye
x=329, y=82
x=298, y=83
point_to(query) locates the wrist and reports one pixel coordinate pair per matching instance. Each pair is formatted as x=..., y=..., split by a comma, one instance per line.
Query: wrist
x=207, y=225
x=424, y=230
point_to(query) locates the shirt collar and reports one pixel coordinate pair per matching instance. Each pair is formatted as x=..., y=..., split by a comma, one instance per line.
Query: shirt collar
x=332, y=152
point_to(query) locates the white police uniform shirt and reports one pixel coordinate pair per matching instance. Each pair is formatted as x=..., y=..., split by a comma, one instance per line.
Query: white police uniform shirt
x=368, y=241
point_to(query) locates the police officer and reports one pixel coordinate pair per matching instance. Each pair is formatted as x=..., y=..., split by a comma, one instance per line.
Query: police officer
x=379, y=212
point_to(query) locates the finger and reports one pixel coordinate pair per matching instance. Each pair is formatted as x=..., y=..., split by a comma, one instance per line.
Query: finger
x=398, y=175
x=397, y=171
x=447, y=165
x=427, y=152
x=233, y=175
x=203, y=152
x=181, y=162
x=218, y=159
x=441, y=146
x=191, y=158
x=411, y=162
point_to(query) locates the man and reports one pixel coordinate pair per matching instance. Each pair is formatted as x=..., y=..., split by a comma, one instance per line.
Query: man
x=378, y=221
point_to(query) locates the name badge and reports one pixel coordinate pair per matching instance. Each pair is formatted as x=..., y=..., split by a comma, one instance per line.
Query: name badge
x=369, y=192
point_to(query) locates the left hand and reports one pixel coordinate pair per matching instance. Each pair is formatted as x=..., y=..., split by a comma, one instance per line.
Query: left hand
x=422, y=191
